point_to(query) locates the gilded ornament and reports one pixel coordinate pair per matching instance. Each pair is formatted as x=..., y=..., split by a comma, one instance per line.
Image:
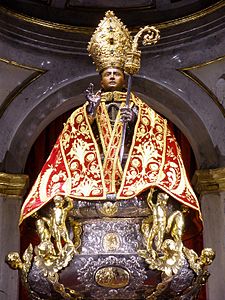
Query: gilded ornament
x=109, y=208
x=66, y=293
x=157, y=231
x=111, y=45
x=112, y=277
x=111, y=242
x=55, y=249
x=77, y=231
x=198, y=263
x=13, y=184
x=163, y=238
x=22, y=265
x=57, y=222
x=133, y=59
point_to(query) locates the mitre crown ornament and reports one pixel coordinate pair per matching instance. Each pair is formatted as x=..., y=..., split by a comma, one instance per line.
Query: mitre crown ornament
x=112, y=45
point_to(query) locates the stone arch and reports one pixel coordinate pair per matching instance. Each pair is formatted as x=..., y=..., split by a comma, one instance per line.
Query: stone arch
x=220, y=89
x=160, y=98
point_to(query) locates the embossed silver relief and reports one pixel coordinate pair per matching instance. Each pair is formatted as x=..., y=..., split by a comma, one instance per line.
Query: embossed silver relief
x=109, y=236
x=132, y=265
x=111, y=242
x=135, y=207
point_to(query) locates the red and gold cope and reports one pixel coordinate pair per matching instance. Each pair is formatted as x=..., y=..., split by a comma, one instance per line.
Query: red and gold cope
x=74, y=167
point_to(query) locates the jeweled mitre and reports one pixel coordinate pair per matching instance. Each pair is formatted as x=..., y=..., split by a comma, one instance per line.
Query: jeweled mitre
x=112, y=45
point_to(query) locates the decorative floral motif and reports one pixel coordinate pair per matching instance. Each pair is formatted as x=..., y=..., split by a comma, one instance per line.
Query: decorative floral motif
x=74, y=167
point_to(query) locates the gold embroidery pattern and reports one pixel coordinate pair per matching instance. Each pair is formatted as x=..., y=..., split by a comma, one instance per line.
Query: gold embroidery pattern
x=146, y=153
x=104, y=126
x=74, y=167
x=155, y=160
x=176, y=178
x=112, y=140
x=81, y=157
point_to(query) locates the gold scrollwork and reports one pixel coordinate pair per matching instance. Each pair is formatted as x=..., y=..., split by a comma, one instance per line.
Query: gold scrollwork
x=198, y=263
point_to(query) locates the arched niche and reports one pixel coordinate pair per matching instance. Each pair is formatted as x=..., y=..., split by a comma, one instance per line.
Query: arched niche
x=160, y=98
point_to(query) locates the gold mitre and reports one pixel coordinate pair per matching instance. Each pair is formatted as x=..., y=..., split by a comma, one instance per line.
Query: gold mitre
x=111, y=44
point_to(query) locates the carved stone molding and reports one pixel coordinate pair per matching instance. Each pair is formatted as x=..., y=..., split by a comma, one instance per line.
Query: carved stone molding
x=209, y=181
x=72, y=38
x=13, y=185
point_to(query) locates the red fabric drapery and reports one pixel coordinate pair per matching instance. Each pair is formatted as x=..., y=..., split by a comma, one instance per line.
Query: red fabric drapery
x=39, y=154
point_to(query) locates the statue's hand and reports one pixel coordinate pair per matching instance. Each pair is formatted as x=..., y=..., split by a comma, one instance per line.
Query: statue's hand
x=127, y=114
x=93, y=100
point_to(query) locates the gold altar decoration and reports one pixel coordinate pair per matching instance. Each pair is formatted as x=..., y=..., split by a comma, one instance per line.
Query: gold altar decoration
x=55, y=249
x=111, y=45
x=163, y=234
x=23, y=265
x=109, y=209
x=112, y=277
x=52, y=257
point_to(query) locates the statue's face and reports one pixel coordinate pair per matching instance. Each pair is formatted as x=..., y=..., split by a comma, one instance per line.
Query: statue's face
x=112, y=80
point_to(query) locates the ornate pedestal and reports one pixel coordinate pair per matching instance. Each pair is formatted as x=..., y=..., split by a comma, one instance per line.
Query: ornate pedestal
x=112, y=250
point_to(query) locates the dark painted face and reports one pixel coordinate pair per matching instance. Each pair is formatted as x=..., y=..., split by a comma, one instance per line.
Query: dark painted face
x=112, y=80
